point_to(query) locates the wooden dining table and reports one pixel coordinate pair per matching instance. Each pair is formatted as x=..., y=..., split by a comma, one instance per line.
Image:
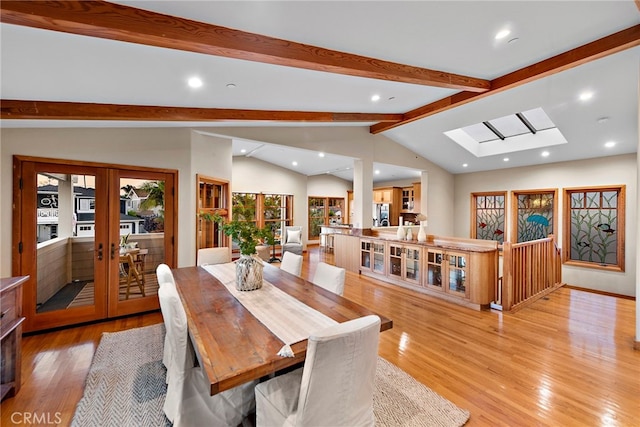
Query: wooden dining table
x=231, y=345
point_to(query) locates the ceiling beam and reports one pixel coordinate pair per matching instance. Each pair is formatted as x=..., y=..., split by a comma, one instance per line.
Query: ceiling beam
x=128, y=24
x=48, y=110
x=600, y=48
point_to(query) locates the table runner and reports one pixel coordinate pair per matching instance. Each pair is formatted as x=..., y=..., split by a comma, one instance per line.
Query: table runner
x=286, y=317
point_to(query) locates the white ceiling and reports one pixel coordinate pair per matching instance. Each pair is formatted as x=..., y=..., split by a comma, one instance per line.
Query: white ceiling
x=451, y=36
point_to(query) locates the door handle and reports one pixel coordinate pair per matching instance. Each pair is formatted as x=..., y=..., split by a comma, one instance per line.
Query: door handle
x=100, y=252
x=113, y=251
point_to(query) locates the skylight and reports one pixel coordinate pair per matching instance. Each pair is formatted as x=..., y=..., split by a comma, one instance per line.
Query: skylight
x=515, y=132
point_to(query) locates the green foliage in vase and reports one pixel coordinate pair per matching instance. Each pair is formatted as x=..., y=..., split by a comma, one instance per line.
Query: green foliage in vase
x=244, y=233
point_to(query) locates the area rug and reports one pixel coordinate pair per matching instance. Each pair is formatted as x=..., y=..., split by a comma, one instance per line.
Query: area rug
x=126, y=387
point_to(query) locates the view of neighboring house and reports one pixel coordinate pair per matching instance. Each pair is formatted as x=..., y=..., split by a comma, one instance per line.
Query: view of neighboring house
x=133, y=219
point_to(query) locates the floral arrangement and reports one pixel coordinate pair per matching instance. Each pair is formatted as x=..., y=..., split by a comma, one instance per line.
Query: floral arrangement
x=244, y=233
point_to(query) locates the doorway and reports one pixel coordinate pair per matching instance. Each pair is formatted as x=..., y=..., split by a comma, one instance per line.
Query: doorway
x=90, y=236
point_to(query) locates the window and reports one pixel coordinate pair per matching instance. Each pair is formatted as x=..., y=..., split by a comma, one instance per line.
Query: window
x=265, y=210
x=534, y=214
x=594, y=227
x=488, y=216
x=324, y=211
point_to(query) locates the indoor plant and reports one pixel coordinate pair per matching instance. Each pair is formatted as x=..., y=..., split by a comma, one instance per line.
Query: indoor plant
x=247, y=236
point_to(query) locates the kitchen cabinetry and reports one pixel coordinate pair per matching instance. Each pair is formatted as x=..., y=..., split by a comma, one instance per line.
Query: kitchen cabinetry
x=407, y=199
x=11, y=335
x=383, y=195
x=404, y=262
x=410, y=201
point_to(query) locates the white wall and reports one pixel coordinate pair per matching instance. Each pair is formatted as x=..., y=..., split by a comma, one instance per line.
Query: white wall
x=164, y=148
x=328, y=186
x=613, y=170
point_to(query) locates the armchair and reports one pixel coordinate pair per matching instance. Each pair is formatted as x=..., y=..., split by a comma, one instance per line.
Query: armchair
x=292, y=239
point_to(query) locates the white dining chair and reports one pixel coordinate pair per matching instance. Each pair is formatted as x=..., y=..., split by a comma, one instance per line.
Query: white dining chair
x=329, y=277
x=213, y=256
x=333, y=388
x=188, y=401
x=164, y=275
x=292, y=263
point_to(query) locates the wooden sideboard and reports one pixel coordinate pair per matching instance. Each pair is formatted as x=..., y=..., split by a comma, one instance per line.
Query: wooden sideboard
x=463, y=271
x=11, y=334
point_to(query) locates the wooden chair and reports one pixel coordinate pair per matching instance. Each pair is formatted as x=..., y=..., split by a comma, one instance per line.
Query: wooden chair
x=131, y=273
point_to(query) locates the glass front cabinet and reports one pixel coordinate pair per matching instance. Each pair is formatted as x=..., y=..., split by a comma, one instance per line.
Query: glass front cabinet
x=447, y=271
x=404, y=263
x=372, y=255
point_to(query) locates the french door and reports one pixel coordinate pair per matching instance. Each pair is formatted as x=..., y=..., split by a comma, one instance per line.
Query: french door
x=90, y=236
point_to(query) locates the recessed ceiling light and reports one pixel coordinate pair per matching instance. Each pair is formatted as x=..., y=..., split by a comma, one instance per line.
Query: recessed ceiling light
x=231, y=86
x=545, y=154
x=610, y=144
x=320, y=154
x=377, y=172
x=502, y=34
x=244, y=150
x=195, y=82
x=464, y=165
x=585, y=96
x=506, y=159
x=294, y=163
x=375, y=98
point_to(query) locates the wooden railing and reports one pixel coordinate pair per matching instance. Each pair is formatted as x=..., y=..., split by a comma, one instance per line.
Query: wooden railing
x=531, y=270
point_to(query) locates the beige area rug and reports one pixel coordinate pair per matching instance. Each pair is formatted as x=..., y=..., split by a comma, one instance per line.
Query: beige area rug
x=126, y=387
x=86, y=295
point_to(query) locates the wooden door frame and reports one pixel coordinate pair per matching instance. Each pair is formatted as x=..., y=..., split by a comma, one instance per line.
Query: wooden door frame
x=23, y=259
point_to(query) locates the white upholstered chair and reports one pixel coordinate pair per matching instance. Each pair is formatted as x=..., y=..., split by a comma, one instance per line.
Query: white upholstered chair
x=333, y=388
x=292, y=239
x=292, y=263
x=329, y=277
x=164, y=275
x=188, y=401
x=213, y=256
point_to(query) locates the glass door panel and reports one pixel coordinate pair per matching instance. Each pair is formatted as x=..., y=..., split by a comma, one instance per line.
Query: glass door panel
x=434, y=269
x=412, y=264
x=140, y=216
x=457, y=274
x=365, y=255
x=378, y=257
x=395, y=260
x=63, y=239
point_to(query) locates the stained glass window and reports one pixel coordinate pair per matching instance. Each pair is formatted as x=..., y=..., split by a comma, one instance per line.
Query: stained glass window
x=595, y=226
x=535, y=214
x=488, y=215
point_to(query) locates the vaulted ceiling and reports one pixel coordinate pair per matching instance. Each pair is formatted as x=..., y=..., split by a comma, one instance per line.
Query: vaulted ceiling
x=435, y=66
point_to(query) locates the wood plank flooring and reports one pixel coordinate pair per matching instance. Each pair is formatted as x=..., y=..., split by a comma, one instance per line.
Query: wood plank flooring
x=567, y=360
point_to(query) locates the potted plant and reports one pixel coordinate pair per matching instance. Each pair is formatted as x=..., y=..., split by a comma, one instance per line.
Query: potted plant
x=247, y=236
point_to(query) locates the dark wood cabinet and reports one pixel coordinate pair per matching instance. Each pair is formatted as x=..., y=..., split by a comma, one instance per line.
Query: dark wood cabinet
x=11, y=334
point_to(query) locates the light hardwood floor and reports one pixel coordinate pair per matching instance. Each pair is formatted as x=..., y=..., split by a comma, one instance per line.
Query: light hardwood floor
x=567, y=360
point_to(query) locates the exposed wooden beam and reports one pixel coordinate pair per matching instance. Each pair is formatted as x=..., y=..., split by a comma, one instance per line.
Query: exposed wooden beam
x=124, y=23
x=600, y=48
x=46, y=110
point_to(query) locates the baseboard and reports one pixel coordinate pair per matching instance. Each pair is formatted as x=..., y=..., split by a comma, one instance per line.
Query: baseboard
x=595, y=291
